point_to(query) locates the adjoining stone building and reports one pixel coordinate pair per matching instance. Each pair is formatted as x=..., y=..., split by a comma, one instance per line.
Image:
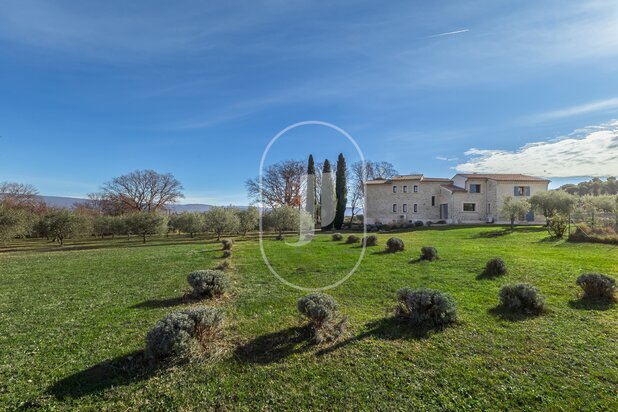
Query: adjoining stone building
x=466, y=198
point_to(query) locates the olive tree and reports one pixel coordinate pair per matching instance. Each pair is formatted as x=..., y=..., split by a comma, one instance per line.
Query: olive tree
x=513, y=209
x=221, y=220
x=248, y=219
x=553, y=202
x=146, y=223
x=62, y=223
x=189, y=222
x=281, y=219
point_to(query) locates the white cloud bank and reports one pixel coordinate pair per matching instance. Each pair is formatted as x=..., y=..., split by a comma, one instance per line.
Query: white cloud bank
x=592, y=151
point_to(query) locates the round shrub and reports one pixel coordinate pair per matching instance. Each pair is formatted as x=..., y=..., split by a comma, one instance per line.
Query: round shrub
x=318, y=308
x=352, y=239
x=394, y=244
x=429, y=253
x=337, y=237
x=495, y=267
x=208, y=283
x=597, y=286
x=521, y=297
x=426, y=307
x=227, y=254
x=371, y=240
x=227, y=244
x=419, y=223
x=181, y=332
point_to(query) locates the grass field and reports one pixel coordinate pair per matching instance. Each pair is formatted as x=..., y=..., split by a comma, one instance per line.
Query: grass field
x=73, y=319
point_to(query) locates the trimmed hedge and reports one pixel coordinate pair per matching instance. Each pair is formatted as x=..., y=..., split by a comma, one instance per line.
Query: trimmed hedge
x=227, y=244
x=429, y=253
x=371, y=240
x=208, y=283
x=495, y=267
x=352, y=239
x=522, y=298
x=426, y=307
x=394, y=245
x=182, y=332
x=597, y=286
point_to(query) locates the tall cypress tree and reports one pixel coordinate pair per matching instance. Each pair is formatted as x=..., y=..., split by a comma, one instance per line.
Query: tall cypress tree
x=327, y=198
x=311, y=188
x=341, y=191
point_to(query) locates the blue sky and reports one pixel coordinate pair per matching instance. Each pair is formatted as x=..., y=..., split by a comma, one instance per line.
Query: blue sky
x=90, y=90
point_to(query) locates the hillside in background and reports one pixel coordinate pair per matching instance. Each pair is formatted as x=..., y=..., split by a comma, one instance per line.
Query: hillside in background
x=69, y=202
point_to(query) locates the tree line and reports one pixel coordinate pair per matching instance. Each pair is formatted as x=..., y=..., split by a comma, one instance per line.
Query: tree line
x=593, y=187
x=560, y=207
x=288, y=183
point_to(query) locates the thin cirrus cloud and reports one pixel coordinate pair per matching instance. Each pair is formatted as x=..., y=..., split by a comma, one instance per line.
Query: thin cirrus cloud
x=592, y=151
x=449, y=33
x=592, y=107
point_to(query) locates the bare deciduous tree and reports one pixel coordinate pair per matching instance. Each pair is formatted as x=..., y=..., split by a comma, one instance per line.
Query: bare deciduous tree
x=143, y=191
x=20, y=195
x=282, y=184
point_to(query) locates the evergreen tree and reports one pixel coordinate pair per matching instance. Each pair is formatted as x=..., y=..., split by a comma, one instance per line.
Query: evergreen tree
x=327, y=198
x=311, y=189
x=341, y=191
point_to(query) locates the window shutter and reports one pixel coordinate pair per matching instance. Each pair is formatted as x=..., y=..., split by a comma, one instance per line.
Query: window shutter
x=515, y=193
x=527, y=190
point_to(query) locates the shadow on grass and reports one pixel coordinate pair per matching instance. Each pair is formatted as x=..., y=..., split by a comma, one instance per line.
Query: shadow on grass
x=276, y=346
x=491, y=234
x=390, y=328
x=119, y=371
x=484, y=275
x=592, y=304
x=386, y=252
x=550, y=239
x=164, y=303
x=511, y=315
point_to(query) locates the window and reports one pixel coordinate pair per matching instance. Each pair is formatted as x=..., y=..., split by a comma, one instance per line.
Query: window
x=394, y=208
x=469, y=207
x=433, y=200
x=488, y=208
x=476, y=188
x=405, y=189
x=522, y=191
x=405, y=208
x=415, y=208
x=394, y=189
x=415, y=189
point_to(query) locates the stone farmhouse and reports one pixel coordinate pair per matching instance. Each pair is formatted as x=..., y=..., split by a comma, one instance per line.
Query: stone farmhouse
x=466, y=198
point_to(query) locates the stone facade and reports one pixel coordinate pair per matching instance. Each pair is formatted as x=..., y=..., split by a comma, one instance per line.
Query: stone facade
x=466, y=198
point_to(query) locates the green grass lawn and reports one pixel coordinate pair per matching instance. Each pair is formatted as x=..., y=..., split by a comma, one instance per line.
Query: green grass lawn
x=73, y=319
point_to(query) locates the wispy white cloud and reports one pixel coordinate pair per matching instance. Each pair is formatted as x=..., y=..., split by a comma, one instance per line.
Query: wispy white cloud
x=449, y=33
x=597, y=106
x=447, y=159
x=592, y=151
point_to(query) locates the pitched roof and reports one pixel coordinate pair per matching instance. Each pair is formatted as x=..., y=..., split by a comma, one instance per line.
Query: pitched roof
x=453, y=188
x=515, y=177
x=407, y=177
x=436, y=179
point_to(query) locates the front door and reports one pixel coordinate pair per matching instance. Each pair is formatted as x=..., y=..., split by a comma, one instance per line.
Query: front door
x=530, y=216
x=444, y=211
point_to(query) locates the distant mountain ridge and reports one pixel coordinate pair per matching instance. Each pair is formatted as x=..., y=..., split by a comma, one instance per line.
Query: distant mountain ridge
x=66, y=202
